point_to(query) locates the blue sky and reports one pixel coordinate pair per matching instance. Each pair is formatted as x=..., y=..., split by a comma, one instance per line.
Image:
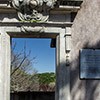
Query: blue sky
x=40, y=48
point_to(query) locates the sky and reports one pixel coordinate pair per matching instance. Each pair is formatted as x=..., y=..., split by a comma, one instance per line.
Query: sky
x=40, y=48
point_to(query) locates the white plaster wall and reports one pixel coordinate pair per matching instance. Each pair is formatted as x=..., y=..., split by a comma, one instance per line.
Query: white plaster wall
x=85, y=34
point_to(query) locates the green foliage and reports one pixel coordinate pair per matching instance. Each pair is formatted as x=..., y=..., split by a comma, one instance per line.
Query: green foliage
x=22, y=81
x=46, y=78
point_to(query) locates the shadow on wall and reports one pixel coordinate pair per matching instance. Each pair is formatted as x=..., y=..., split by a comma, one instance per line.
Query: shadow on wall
x=83, y=89
x=62, y=81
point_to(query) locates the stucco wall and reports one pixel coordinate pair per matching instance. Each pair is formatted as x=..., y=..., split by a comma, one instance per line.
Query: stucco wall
x=85, y=34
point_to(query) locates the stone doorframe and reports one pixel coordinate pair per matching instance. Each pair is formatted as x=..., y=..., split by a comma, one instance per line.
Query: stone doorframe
x=49, y=30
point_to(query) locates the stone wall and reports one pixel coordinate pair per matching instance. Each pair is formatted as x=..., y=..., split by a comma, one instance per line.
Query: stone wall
x=85, y=34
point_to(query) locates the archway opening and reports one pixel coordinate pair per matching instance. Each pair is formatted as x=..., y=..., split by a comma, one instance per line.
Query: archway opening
x=32, y=67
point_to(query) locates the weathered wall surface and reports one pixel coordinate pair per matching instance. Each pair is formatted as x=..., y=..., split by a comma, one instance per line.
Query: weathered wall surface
x=85, y=34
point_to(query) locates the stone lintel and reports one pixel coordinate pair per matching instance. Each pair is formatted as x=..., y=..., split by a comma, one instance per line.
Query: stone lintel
x=46, y=32
x=4, y=8
x=47, y=24
x=63, y=9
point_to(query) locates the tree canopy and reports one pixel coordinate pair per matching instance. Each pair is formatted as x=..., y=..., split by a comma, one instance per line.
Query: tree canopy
x=25, y=78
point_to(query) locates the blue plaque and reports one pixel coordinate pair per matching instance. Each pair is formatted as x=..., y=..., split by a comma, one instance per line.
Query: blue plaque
x=90, y=64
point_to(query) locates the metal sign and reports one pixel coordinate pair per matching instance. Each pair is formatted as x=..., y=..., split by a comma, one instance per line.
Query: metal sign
x=89, y=64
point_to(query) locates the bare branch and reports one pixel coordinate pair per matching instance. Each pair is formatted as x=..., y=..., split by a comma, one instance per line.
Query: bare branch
x=18, y=66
